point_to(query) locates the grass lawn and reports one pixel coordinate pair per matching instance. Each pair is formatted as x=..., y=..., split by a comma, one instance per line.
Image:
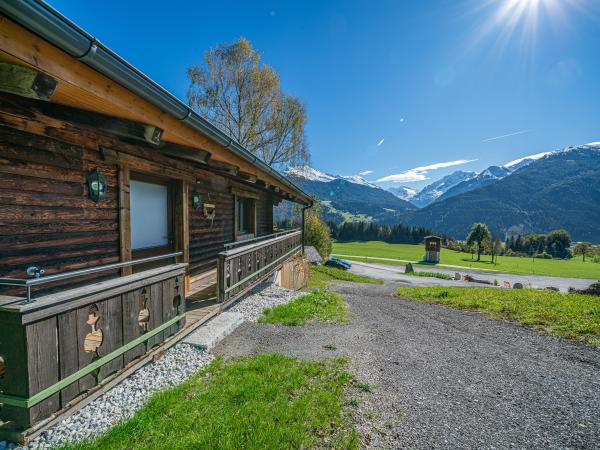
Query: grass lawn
x=320, y=276
x=265, y=401
x=322, y=305
x=572, y=316
x=572, y=268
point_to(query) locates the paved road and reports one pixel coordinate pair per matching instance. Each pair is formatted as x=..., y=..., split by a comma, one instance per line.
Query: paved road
x=394, y=272
x=446, y=378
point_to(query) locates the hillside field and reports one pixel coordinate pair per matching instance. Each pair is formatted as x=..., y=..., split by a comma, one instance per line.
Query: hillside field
x=573, y=268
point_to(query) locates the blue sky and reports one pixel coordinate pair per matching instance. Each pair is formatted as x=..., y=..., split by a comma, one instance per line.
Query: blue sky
x=391, y=86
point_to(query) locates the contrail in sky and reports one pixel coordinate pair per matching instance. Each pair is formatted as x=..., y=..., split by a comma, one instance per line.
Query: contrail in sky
x=506, y=135
x=380, y=142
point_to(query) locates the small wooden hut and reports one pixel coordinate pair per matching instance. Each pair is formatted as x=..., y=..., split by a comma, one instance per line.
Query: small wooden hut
x=433, y=246
x=116, y=202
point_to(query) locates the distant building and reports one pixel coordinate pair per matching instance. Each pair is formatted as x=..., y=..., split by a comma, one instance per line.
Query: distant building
x=433, y=245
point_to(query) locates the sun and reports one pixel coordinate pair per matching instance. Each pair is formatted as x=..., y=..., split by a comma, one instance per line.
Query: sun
x=520, y=21
x=522, y=13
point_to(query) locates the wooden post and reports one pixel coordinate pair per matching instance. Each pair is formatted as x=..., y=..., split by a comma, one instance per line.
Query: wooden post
x=124, y=218
x=235, y=217
x=182, y=226
x=220, y=278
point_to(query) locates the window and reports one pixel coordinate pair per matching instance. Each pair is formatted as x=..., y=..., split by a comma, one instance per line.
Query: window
x=244, y=215
x=149, y=203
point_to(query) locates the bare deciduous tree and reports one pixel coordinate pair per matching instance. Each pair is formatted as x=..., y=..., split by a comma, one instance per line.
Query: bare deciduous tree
x=243, y=98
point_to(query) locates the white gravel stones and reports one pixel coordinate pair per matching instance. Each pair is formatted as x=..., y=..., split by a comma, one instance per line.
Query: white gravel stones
x=120, y=403
x=178, y=364
x=264, y=296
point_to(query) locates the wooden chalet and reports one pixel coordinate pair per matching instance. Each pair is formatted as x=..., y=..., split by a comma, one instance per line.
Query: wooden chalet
x=117, y=202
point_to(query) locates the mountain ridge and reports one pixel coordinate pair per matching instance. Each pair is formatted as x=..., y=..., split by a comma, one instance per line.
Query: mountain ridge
x=558, y=190
x=349, y=197
x=531, y=194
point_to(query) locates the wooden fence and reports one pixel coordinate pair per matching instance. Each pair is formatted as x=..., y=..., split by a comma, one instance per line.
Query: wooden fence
x=62, y=345
x=240, y=269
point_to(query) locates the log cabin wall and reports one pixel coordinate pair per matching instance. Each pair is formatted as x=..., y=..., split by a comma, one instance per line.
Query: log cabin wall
x=208, y=237
x=47, y=217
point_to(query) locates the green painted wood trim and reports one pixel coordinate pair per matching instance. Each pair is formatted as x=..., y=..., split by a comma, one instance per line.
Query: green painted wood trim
x=26, y=82
x=262, y=269
x=49, y=391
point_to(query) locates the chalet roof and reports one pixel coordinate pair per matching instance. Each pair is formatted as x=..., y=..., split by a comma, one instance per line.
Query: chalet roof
x=49, y=24
x=432, y=236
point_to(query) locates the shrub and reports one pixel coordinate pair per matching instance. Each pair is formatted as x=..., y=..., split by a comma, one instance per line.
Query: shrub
x=316, y=232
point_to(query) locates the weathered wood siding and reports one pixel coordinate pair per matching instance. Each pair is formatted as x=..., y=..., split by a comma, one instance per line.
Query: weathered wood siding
x=47, y=217
x=208, y=237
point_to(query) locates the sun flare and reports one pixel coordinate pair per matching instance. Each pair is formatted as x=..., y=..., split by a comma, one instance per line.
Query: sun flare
x=522, y=20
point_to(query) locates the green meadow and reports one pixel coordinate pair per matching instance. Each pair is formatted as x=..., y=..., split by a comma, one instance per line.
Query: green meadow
x=572, y=268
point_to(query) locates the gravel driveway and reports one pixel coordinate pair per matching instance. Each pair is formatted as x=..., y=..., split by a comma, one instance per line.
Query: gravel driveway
x=445, y=378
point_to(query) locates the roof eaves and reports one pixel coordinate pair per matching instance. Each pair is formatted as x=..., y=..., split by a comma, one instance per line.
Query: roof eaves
x=49, y=24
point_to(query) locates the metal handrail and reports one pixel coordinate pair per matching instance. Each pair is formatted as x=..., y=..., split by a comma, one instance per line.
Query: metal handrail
x=233, y=252
x=260, y=238
x=28, y=283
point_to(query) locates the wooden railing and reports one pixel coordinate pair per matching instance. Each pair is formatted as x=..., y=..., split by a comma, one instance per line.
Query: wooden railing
x=62, y=346
x=240, y=269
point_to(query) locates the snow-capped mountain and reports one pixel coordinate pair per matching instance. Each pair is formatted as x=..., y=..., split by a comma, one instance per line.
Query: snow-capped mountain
x=349, y=197
x=403, y=192
x=535, y=193
x=467, y=181
x=488, y=176
x=357, y=179
x=524, y=161
x=436, y=189
x=557, y=190
x=309, y=173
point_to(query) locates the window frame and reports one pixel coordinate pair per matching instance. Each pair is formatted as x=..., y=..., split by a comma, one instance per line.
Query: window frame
x=249, y=231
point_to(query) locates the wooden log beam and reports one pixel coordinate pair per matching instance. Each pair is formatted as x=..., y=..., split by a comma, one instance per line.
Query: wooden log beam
x=184, y=152
x=224, y=167
x=247, y=177
x=240, y=192
x=26, y=81
x=123, y=128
